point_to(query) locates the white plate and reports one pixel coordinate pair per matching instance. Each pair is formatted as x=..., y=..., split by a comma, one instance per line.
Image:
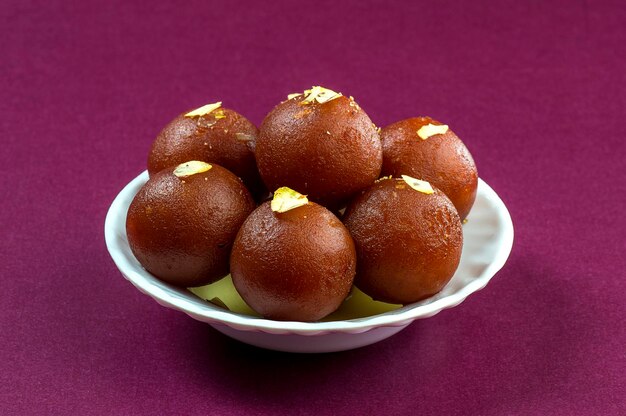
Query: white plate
x=488, y=238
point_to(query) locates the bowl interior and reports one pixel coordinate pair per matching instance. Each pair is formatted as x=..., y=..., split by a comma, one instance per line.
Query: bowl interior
x=358, y=304
x=488, y=237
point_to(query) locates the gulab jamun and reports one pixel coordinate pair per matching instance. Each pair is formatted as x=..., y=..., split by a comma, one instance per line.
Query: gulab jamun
x=211, y=134
x=293, y=259
x=182, y=223
x=320, y=143
x=427, y=149
x=408, y=239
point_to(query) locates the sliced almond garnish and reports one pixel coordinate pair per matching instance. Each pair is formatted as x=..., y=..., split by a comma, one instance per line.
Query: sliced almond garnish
x=219, y=114
x=286, y=199
x=294, y=95
x=430, y=130
x=421, y=186
x=191, y=168
x=320, y=94
x=204, y=110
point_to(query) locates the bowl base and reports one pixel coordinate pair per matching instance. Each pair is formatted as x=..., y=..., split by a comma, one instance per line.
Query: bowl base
x=329, y=342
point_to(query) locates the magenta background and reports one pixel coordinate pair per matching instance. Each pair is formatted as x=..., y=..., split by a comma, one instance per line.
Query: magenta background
x=535, y=89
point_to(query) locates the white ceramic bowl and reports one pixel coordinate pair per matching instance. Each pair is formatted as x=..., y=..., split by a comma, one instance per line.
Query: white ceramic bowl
x=488, y=238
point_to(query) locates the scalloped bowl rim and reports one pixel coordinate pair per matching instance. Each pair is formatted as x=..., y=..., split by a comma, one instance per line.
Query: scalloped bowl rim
x=185, y=301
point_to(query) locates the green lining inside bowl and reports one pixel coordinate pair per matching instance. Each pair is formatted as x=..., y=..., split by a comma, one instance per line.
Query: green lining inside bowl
x=358, y=305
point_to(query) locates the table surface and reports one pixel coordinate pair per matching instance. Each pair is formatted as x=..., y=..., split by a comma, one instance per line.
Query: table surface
x=536, y=91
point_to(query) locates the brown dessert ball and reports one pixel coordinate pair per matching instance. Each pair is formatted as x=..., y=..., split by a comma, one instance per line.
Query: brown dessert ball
x=439, y=158
x=408, y=243
x=181, y=228
x=222, y=136
x=328, y=150
x=297, y=265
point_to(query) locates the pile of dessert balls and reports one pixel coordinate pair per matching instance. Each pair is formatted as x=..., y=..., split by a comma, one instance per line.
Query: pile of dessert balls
x=316, y=200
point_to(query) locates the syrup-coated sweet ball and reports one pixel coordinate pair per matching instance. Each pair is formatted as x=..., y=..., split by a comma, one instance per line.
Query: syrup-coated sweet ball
x=320, y=143
x=183, y=221
x=293, y=259
x=211, y=134
x=427, y=149
x=408, y=239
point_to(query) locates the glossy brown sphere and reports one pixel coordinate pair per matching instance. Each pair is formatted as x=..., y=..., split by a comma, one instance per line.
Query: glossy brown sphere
x=223, y=137
x=297, y=265
x=328, y=151
x=442, y=159
x=408, y=243
x=181, y=229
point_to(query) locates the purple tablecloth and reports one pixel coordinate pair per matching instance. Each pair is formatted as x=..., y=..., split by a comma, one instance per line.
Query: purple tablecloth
x=535, y=89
